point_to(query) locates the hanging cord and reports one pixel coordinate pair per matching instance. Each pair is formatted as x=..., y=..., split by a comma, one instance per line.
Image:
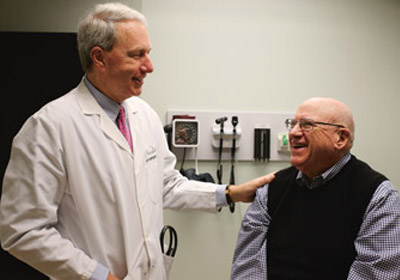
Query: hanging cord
x=235, y=122
x=219, y=166
x=220, y=121
x=196, y=161
x=183, y=161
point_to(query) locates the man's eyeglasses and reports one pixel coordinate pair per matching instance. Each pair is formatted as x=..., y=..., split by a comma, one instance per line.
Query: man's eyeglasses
x=307, y=125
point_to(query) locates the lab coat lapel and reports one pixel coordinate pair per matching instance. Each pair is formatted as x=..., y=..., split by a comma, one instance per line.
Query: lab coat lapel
x=89, y=106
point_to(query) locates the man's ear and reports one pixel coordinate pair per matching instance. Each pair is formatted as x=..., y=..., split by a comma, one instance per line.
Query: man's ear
x=97, y=56
x=343, y=138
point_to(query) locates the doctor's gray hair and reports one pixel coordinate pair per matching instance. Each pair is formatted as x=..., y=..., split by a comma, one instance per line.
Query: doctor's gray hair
x=97, y=29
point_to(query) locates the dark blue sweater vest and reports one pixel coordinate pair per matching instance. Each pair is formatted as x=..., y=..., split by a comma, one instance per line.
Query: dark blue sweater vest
x=312, y=232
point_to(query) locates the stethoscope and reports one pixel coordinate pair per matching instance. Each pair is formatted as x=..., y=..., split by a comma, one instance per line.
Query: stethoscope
x=173, y=241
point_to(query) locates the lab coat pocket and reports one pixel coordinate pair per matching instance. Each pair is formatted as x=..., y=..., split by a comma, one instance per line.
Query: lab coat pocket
x=168, y=261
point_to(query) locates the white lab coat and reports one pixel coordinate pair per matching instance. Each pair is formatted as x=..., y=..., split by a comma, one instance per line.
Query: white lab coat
x=75, y=195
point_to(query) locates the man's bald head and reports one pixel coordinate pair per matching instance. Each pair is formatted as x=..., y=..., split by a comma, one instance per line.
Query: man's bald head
x=333, y=111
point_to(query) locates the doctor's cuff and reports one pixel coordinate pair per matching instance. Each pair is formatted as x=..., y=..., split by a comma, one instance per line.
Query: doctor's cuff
x=100, y=273
x=220, y=196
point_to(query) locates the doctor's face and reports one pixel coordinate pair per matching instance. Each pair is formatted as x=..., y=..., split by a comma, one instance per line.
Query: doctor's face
x=128, y=62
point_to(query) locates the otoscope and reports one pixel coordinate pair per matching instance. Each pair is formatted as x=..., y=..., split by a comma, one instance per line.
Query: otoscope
x=221, y=122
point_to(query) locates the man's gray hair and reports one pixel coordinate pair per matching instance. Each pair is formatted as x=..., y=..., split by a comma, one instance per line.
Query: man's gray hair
x=97, y=29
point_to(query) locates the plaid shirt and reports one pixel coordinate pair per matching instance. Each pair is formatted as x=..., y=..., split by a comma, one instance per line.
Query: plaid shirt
x=377, y=243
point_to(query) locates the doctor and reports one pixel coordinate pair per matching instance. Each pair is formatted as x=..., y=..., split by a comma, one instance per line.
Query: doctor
x=90, y=173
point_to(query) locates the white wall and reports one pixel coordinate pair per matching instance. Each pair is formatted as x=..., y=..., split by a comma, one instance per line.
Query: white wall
x=266, y=55
x=259, y=55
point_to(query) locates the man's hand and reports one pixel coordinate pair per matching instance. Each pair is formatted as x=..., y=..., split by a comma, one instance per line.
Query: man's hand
x=246, y=192
x=112, y=277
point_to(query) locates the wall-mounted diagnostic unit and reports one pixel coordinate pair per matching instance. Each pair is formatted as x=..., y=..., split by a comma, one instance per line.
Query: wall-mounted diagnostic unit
x=257, y=136
x=185, y=133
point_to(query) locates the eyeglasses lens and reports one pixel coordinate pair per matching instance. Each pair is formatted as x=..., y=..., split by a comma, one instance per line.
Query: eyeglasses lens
x=305, y=125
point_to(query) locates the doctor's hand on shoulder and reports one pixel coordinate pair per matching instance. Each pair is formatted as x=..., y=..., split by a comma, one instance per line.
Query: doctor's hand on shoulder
x=246, y=192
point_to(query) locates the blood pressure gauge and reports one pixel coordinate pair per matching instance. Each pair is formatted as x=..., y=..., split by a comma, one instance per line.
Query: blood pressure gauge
x=185, y=133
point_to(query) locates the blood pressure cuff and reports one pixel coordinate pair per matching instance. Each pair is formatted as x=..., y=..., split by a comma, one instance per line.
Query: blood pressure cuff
x=191, y=175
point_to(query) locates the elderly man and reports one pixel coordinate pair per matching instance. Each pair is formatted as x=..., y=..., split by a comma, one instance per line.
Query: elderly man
x=329, y=216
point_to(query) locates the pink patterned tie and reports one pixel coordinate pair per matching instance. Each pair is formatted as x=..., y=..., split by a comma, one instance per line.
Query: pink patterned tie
x=121, y=122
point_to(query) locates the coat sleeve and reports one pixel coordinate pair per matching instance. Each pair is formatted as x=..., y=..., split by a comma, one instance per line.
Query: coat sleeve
x=33, y=186
x=377, y=243
x=249, y=260
x=181, y=193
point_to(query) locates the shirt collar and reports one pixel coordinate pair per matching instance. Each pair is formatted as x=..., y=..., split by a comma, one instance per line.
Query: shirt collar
x=324, y=177
x=107, y=104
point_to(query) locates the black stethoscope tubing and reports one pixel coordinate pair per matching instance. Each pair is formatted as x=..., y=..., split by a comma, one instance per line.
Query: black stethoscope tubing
x=173, y=241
